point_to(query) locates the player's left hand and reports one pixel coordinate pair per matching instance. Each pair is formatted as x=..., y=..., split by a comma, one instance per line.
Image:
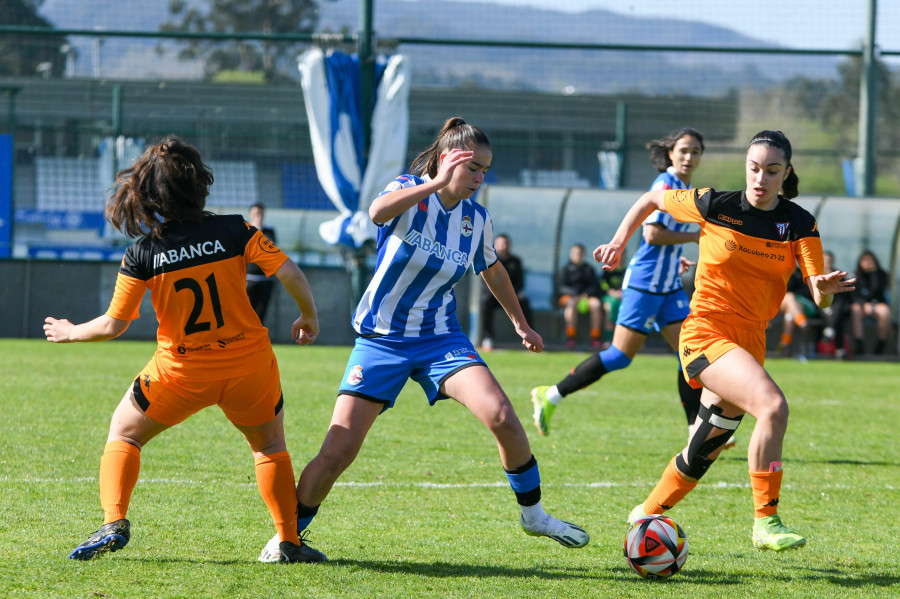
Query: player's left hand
x=684, y=265
x=305, y=330
x=834, y=282
x=531, y=340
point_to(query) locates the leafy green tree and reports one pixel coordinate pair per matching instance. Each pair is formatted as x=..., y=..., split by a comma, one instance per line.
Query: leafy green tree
x=28, y=55
x=274, y=60
x=840, y=110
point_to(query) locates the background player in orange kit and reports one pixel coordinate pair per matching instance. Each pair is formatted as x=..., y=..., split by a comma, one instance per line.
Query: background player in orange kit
x=212, y=349
x=750, y=242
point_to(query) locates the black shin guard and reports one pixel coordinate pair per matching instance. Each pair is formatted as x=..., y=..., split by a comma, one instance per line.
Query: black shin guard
x=701, y=445
x=589, y=371
x=690, y=398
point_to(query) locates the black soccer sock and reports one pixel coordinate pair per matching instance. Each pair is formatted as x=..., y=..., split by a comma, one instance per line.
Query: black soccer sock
x=589, y=371
x=690, y=398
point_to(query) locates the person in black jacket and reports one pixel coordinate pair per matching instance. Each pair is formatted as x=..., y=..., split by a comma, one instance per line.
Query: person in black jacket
x=870, y=301
x=259, y=286
x=489, y=303
x=579, y=292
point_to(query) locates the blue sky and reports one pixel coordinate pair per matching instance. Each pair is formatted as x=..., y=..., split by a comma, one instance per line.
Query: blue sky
x=831, y=24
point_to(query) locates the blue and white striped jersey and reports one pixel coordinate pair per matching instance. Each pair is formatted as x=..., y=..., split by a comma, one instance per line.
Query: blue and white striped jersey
x=422, y=254
x=654, y=268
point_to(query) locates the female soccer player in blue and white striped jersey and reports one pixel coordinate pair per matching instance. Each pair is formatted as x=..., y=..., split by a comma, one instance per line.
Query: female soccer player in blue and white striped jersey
x=430, y=233
x=652, y=293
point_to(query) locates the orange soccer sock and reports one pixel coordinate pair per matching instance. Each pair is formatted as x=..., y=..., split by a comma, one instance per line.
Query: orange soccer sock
x=595, y=333
x=766, y=489
x=671, y=488
x=800, y=319
x=570, y=332
x=786, y=339
x=119, y=468
x=275, y=479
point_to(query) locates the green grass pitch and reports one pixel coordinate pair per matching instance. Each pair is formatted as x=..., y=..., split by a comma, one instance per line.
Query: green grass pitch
x=425, y=511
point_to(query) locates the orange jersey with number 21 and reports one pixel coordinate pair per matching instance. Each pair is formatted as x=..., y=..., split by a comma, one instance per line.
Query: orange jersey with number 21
x=196, y=275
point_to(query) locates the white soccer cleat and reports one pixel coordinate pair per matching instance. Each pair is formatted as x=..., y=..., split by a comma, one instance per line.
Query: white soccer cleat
x=564, y=533
x=271, y=552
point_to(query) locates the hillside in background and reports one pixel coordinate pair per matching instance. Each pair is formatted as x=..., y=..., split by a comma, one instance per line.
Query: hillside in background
x=559, y=71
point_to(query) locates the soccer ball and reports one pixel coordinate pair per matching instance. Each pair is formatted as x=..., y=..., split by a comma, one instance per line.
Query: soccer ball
x=656, y=547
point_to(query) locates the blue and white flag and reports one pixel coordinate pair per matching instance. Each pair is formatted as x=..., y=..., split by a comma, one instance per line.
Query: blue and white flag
x=331, y=92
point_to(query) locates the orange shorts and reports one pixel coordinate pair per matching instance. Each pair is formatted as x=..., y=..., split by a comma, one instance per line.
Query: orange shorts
x=704, y=339
x=247, y=400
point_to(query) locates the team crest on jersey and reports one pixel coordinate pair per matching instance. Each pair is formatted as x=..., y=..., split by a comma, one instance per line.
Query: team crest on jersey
x=782, y=229
x=356, y=376
x=423, y=206
x=466, y=227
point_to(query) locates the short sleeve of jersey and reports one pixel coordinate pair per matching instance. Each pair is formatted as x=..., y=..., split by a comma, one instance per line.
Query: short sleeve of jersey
x=807, y=244
x=126, y=301
x=263, y=252
x=682, y=204
x=401, y=182
x=488, y=255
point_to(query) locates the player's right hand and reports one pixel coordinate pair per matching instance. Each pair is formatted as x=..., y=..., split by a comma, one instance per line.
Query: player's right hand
x=608, y=254
x=449, y=162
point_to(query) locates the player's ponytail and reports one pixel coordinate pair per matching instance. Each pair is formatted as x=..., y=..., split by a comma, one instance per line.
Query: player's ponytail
x=455, y=134
x=169, y=182
x=790, y=189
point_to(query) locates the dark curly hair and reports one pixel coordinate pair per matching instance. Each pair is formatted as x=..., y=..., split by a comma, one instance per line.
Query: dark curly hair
x=169, y=182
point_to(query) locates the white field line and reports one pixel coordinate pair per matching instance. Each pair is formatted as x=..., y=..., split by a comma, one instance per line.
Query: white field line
x=411, y=485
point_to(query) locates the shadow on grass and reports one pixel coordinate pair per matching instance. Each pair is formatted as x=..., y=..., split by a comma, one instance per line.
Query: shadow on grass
x=620, y=573
x=791, y=573
x=852, y=580
x=450, y=570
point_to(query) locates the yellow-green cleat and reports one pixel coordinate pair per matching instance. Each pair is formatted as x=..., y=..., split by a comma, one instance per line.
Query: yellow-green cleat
x=543, y=409
x=770, y=533
x=636, y=514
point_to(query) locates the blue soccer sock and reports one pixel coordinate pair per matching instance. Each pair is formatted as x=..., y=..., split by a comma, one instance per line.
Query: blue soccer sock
x=305, y=515
x=526, y=483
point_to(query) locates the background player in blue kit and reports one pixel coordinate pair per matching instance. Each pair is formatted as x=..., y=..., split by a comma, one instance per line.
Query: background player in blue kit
x=652, y=293
x=429, y=233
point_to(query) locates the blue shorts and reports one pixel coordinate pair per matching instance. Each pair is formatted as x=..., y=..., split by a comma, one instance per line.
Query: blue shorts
x=379, y=367
x=645, y=312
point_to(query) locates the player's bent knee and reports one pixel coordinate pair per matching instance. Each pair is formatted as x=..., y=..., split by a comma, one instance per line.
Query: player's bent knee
x=774, y=410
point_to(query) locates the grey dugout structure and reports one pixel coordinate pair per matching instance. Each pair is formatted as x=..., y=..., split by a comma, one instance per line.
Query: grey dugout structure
x=541, y=222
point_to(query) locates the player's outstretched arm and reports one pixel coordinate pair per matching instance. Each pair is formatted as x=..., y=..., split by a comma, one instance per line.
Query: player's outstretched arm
x=100, y=329
x=498, y=282
x=610, y=253
x=306, y=328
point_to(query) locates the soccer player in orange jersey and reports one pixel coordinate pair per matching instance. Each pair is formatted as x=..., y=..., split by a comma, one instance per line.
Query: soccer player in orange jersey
x=212, y=348
x=750, y=242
